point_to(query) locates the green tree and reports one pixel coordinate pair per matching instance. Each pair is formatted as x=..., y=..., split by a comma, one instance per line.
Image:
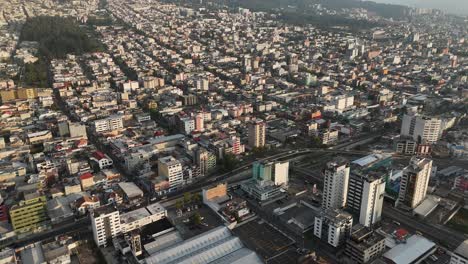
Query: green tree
x=197, y=219
x=229, y=162
x=187, y=198
x=179, y=204
x=196, y=198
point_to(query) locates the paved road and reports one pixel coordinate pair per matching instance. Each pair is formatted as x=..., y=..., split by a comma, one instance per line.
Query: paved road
x=82, y=226
x=446, y=237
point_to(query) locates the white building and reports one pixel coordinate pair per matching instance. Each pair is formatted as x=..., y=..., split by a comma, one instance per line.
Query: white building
x=277, y=172
x=333, y=226
x=335, y=189
x=110, y=123
x=172, y=169
x=365, y=196
x=414, y=182
x=187, y=125
x=105, y=222
x=103, y=160
x=460, y=255
x=141, y=217
x=422, y=129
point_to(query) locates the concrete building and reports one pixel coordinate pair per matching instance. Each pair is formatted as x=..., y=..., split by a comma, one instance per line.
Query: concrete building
x=205, y=160
x=422, y=129
x=364, y=245
x=108, y=124
x=105, y=222
x=460, y=255
x=29, y=213
x=333, y=226
x=141, y=217
x=366, y=190
x=335, y=189
x=277, y=172
x=414, y=182
x=257, y=134
x=171, y=168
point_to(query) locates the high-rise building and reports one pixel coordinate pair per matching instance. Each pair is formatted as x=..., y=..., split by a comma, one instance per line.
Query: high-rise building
x=335, y=189
x=257, y=134
x=414, y=182
x=172, y=169
x=105, y=222
x=199, y=122
x=277, y=172
x=202, y=84
x=365, y=196
x=205, y=160
x=422, y=129
x=333, y=226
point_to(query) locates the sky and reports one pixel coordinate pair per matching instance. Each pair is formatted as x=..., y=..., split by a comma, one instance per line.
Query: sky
x=451, y=6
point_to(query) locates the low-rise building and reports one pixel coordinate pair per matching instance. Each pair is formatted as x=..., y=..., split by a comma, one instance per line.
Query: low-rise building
x=364, y=245
x=333, y=226
x=29, y=213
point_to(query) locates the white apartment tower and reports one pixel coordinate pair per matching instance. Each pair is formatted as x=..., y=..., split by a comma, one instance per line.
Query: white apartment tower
x=414, y=182
x=422, y=129
x=105, y=222
x=172, y=169
x=335, y=189
x=257, y=134
x=365, y=196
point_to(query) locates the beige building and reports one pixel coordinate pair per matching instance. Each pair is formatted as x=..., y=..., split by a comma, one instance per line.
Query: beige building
x=218, y=191
x=257, y=130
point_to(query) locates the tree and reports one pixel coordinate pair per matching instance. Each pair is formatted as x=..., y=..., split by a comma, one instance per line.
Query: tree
x=179, y=204
x=196, y=198
x=197, y=219
x=187, y=198
x=229, y=162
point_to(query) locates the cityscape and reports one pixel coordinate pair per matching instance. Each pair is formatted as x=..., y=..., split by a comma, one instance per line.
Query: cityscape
x=233, y=131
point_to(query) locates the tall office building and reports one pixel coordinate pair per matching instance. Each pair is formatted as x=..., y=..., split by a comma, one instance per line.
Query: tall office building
x=365, y=196
x=422, y=129
x=105, y=222
x=257, y=134
x=414, y=182
x=172, y=169
x=277, y=172
x=335, y=189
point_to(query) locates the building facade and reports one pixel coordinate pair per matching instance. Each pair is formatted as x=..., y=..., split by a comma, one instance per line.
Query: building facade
x=257, y=130
x=414, y=182
x=335, y=189
x=422, y=129
x=105, y=222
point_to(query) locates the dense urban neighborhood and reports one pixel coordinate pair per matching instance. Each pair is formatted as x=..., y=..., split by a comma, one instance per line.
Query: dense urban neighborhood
x=209, y=131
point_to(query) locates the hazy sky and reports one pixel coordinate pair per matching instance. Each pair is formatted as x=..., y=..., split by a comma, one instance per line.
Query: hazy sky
x=452, y=6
